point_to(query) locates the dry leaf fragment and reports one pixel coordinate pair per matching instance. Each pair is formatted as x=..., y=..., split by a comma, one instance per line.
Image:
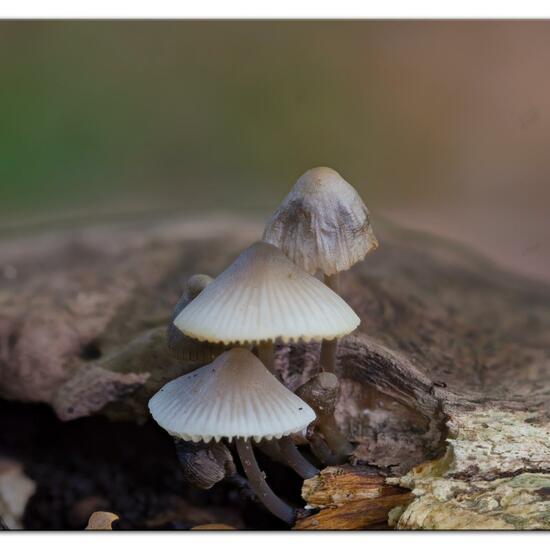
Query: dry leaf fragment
x=101, y=521
x=15, y=491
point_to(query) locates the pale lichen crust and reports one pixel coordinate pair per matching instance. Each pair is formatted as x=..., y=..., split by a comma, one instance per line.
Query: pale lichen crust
x=494, y=475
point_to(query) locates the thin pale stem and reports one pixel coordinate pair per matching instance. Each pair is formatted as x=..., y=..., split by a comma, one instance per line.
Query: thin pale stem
x=266, y=352
x=258, y=484
x=333, y=282
x=329, y=348
x=336, y=441
x=295, y=459
x=328, y=355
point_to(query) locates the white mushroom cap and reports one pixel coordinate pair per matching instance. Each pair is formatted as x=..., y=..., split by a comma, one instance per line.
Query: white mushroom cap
x=263, y=296
x=322, y=224
x=234, y=396
x=196, y=284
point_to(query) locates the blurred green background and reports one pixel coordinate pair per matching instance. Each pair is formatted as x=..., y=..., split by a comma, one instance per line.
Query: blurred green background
x=442, y=126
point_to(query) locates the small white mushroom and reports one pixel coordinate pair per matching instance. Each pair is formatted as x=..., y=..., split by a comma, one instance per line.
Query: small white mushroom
x=183, y=347
x=263, y=297
x=323, y=225
x=236, y=397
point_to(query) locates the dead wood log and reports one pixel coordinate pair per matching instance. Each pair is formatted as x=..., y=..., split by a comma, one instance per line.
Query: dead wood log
x=350, y=498
x=451, y=363
x=338, y=485
x=355, y=515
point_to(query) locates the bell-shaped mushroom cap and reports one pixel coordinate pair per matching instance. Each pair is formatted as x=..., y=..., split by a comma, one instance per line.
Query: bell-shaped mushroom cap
x=322, y=224
x=264, y=296
x=184, y=347
x=234, y=396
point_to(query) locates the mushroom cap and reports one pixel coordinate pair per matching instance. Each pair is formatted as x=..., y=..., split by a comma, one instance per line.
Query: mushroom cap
x=263, y=296
x=196, y=284
x=322, y=224
x=184, y=347
x=234, y=396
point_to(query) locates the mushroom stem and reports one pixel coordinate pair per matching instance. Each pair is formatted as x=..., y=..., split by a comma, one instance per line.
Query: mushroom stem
x=295, y=460
x=321, y=393
x=258, y=484
x=328, y=354
x=266, y=353
x=270, y=448
x=333, y=282
x=330, y=347
x=336, y=441
x=320, y=449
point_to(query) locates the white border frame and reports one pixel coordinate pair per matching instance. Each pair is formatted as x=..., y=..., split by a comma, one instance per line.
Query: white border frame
x=283, y=9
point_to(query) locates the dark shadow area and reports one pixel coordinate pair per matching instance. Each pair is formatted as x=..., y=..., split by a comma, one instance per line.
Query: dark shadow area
x=94, y=464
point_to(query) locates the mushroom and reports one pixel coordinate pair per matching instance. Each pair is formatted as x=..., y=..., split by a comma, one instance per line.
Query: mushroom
x=263, y=297
x=183, y=347
x=321, y=392
x=235, y=397
x=323, y=224
x=204, y=464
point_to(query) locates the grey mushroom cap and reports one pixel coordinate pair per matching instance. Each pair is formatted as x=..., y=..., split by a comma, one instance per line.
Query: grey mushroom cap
x=234, y=396
x=184, y=347
x=322, y=224
x=263, y=296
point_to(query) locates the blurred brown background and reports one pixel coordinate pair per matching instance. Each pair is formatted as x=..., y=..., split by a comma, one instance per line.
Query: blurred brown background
x=442, y=126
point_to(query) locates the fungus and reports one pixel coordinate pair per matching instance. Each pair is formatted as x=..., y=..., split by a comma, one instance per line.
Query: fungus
x=263, y=297
x=183, y=347
x=194, y=286
x=234, y=397
x=204, y=464
x=323, y=224
x=321, y=392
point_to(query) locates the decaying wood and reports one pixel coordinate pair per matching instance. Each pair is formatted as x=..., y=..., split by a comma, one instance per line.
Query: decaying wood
x=356, y=515
x=495, y=474
x=338, y=485
x=452, y=358
x=350, y=498
x=101, y=297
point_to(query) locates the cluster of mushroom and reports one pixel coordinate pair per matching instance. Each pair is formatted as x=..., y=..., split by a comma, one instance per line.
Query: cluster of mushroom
x=270, y=294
